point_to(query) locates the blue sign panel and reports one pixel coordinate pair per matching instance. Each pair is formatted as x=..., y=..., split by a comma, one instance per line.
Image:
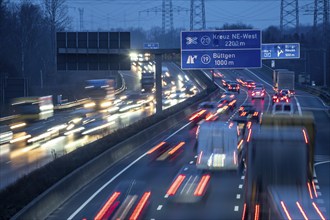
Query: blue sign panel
x=221, y=49
x=280, y=51
x=151, y=46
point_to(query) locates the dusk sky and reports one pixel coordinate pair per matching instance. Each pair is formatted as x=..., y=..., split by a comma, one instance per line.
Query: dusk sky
x=105, y=14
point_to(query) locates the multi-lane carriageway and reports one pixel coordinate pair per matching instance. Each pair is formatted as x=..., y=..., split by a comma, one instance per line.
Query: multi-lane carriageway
x=224, y=198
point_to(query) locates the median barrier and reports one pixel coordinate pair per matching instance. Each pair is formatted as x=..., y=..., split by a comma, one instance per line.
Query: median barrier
x=53, y=197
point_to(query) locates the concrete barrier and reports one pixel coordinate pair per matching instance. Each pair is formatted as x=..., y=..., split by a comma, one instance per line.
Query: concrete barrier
x=50, y=200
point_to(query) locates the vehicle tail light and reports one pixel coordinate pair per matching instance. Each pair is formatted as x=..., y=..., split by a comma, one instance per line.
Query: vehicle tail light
x=176, y=184
x=102, y=212
x=202, y=185
x=139, y=207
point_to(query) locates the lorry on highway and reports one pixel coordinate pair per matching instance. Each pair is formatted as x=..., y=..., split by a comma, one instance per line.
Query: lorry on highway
x=283, y=79
x=32, y=108
x=279, y=169
x=147, y=81
x=101, y=93
x=218, y=146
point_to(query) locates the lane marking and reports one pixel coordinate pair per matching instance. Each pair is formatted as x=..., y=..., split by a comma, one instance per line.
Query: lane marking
x=166, y=196
x=236, y=208
x=317, y=186
x=319, y=193
x=316, y=181
x=191, y=162
x=159, y=207
x=240, y=186
x=117, y=175
x=320, y=163
x=298, y=105
x=238, y=196
x=242, y=178
x=8, y=162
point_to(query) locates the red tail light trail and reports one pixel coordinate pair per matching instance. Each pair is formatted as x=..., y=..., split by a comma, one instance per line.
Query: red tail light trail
x=156, y=147
x=202, y=185
x=101, y=214
x=177, y=147
x=139, y=207
x=176, y=184
x=318, y=211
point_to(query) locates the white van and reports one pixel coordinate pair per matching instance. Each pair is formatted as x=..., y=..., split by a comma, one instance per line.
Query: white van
x=283, y=108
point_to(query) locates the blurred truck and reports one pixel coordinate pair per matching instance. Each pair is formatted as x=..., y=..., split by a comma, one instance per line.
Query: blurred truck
x=32, y=108
x=279, y=175
x=218, y=146
x=284, y=79
x=147, y=82
x=101, y=93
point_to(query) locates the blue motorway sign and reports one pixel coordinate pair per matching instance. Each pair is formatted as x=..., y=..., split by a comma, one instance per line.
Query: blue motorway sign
x=151, y=46
x=280, y=51
x=221, y=49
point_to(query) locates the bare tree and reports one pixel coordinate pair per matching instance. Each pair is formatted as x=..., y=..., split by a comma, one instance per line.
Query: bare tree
x=57, y=16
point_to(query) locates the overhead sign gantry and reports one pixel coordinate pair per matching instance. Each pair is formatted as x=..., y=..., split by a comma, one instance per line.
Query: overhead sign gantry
x=280, y=51
x=221, y=49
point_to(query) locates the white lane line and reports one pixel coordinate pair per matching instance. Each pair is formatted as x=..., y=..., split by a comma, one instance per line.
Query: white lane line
x=240, y=186
x=236, y=208
x=166, y=196
x=298, y=105
x=159, y=207
x=319, y=193
x=317, y=186
x=116, y=176
x=323, y=162
x=242, y=178
x=196, y=156
x=316, y=181
x=191, y=162
x=8, y=162
x=238, y=196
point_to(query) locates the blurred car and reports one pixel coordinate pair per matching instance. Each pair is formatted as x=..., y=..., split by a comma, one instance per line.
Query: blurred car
x=6, y=135
x=260, y=85
x=205, y=110
x=164, y=152
x=233, y=87
x=258, y=93
x=250, y=84
x=280, y=97
x=248, y=112
x=129, y=200
x=241, y=80
x=228, y=94
x=282, y=108
x=227, y=101
x=286, y=92
x=226, y=82
x=189, y=185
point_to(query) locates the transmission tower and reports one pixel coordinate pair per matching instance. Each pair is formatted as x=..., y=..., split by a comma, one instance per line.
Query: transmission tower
x=289, y=15
x=81, y=18
x=167, y=10
x=197, y=15
x=320, y=11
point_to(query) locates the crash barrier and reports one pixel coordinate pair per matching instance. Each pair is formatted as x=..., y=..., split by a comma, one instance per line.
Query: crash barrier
x=55, y=195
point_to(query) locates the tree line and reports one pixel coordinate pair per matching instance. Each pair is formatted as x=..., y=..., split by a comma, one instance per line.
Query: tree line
x=27, y=33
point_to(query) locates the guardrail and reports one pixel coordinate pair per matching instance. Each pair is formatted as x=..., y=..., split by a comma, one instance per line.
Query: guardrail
x=323, y=94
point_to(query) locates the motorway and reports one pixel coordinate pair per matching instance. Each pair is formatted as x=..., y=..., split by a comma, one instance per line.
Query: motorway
x=18, y=159
x=224, y=197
